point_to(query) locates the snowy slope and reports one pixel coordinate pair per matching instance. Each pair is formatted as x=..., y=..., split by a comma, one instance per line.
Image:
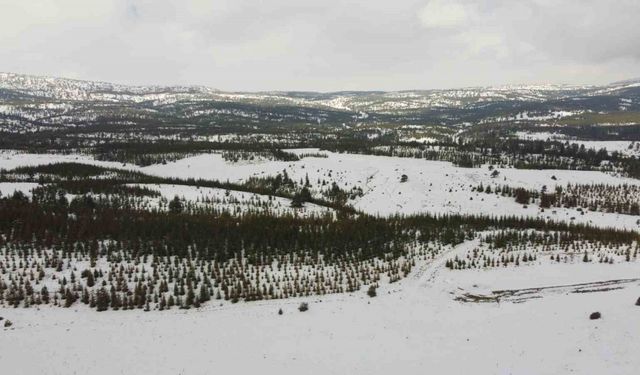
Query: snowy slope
x=432, y=186
x=413, y=327
x=232, y=201
x=8, y=188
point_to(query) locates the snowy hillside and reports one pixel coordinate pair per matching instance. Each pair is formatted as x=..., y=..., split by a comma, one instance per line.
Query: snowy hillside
x=413, y=325
x=431, y=187
x=186, y=230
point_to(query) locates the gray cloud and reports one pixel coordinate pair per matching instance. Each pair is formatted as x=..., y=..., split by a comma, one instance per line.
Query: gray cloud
x=328, y=45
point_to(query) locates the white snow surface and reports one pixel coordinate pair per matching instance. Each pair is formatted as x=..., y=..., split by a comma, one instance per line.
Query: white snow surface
x=8, y=188
x=414, y=326
x=15, y=159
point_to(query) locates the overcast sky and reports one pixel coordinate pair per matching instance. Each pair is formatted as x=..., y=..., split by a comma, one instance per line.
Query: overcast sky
x=323, y=45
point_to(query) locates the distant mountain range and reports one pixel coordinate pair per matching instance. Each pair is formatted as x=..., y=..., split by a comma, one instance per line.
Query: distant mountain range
x=28, y=102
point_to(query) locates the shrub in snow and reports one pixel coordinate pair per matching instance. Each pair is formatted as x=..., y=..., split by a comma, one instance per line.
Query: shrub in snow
x=280, y=312
x=595, y=315
x=7, y=323
x=303, y=307
x=296, y=201
x=522, y=196
x=372, y=291
x=638, y=302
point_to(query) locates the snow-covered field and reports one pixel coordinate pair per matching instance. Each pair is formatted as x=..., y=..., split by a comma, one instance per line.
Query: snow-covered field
x=414, y=326
x=8, y=188
x=432, y=186
x=15, y=159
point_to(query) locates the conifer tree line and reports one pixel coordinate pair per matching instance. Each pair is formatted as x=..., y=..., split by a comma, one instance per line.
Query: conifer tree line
x=509, y=248
x=515, y=153
x=588, y=132
x=621, y=199
x=471, y=149
x=78, y=178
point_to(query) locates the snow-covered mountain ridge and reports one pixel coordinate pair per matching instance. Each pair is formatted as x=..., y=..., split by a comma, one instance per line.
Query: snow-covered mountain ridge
x=28, y=103
x=79, y=90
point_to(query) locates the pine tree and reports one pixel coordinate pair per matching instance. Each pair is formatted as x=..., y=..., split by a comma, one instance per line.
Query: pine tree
x=44, y=293
x=102, y=300
x=176, y=206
